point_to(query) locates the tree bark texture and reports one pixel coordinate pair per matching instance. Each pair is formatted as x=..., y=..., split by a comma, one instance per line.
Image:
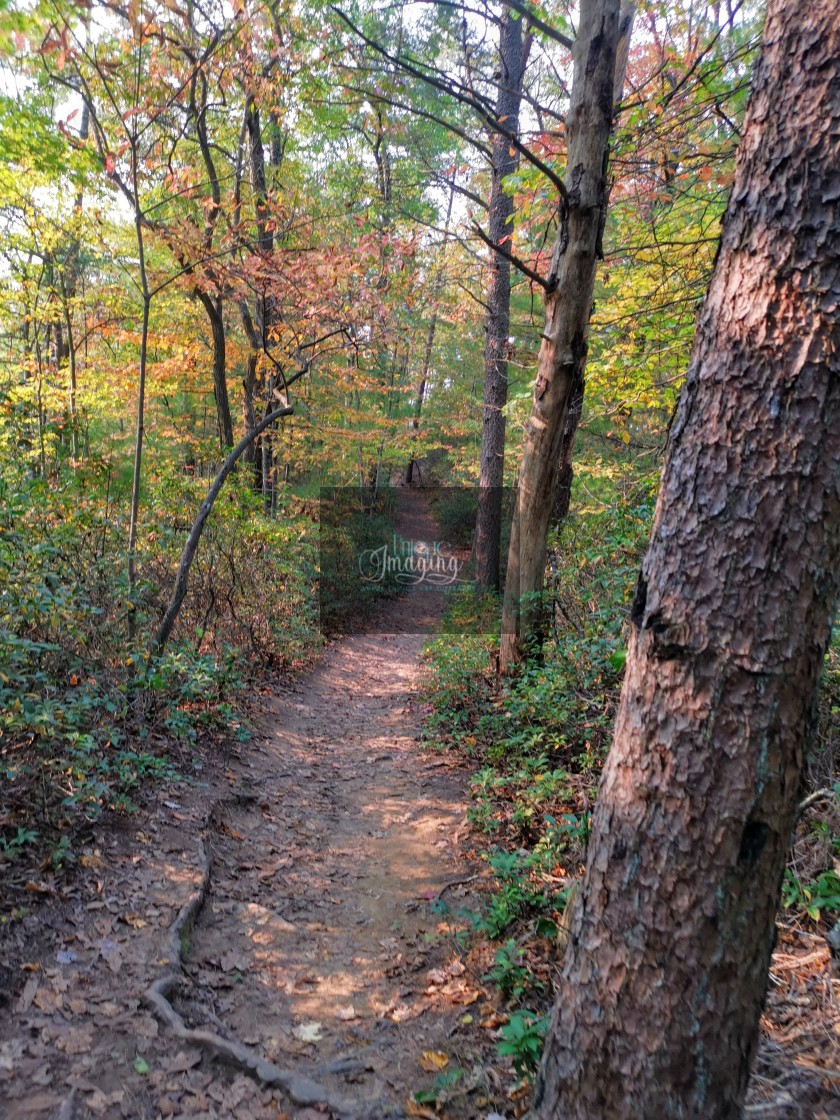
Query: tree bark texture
x=513, y=58
x=658, y=1007
x=568, y=305
x=566, y=465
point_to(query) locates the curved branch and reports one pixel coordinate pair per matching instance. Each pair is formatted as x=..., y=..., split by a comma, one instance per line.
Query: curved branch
x=517, y=263
x=469, y=100
x=188, y=555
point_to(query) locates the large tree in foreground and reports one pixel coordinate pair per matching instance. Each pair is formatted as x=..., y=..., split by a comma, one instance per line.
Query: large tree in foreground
x=658, y=1007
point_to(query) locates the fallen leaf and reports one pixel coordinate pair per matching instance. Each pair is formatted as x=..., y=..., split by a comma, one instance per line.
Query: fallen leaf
x=433, y=1060
x=39, y=888
x=77, y=1042
x=412, y=1108
x=401, y=1013
x=308, y=1032
x=102, y=1103
x=28, y=994
x=183, y=1060
x=141, y=1065
x=48, y=1000
x=346, y=1013
x=145, y=1026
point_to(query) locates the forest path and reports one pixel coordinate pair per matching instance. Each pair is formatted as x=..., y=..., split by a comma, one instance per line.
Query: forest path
x=321, y=944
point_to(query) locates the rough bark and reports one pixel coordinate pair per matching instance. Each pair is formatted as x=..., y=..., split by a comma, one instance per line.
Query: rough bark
x=513, y=57
x=568, y=304
x=566, y=468
x=658, y=1007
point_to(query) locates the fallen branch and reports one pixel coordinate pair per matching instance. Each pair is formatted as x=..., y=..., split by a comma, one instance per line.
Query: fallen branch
x=302, y=1090
x=814, y=799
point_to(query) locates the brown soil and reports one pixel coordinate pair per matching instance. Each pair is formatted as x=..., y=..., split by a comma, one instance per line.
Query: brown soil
x=322, y=945
x=331, y=897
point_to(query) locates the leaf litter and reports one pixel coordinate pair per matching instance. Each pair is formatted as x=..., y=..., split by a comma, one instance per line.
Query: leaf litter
x=319, y=948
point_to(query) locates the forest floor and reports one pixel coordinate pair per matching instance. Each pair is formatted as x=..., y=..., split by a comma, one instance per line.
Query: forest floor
x=285, y=909
x=287, y=932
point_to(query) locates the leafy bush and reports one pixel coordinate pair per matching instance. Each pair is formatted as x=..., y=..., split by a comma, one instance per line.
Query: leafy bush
x=85, y=722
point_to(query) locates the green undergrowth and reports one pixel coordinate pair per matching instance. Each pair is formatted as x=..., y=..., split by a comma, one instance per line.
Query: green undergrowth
x=87, y=723
x=538, y=742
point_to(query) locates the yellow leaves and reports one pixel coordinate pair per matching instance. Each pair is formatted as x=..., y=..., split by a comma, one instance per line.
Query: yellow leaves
x=433, y=1060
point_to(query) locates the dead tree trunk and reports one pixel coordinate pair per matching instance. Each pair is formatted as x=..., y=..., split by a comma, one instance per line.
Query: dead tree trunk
x=188, y=555
x=568, y=304
x=658, y=1007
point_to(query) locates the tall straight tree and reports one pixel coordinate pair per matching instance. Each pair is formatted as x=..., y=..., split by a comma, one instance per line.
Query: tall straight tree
x=568, y=305
x=514, y=46
x=658, y=1007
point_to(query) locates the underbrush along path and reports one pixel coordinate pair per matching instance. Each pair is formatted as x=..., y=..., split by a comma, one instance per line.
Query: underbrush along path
x=312, y=962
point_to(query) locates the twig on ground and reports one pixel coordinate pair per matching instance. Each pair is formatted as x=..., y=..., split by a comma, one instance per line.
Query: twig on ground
x=455, y=883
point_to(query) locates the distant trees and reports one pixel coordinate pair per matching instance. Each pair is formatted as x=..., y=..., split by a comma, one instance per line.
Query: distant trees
x=658, y=1007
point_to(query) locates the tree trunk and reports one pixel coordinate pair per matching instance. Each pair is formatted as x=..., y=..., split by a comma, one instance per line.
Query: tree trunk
x=408, y=478
x=568, y=305
x=658, y=1007
x=437, y=287
x=513, y=58
x=213, y=307
x=565, y=466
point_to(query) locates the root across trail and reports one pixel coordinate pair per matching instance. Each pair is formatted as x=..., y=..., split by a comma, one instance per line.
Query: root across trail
x=309, y=959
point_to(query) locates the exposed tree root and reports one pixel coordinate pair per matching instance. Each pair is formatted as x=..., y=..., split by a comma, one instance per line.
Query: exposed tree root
x=301, y=1090
x=455, y=883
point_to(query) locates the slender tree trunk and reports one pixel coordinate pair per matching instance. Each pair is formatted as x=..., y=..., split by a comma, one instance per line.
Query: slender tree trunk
x=190, y=547
x=136, y=475
x=213, y=307
x=568, y=305
x=430, y=335
x=658, y=1007
x=513, y=58
x=421, y=389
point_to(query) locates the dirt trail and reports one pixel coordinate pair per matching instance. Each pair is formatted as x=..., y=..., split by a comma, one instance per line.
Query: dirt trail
x=321, y=945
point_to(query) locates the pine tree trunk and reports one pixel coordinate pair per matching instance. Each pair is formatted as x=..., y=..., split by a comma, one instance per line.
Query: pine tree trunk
x=658, y=1007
